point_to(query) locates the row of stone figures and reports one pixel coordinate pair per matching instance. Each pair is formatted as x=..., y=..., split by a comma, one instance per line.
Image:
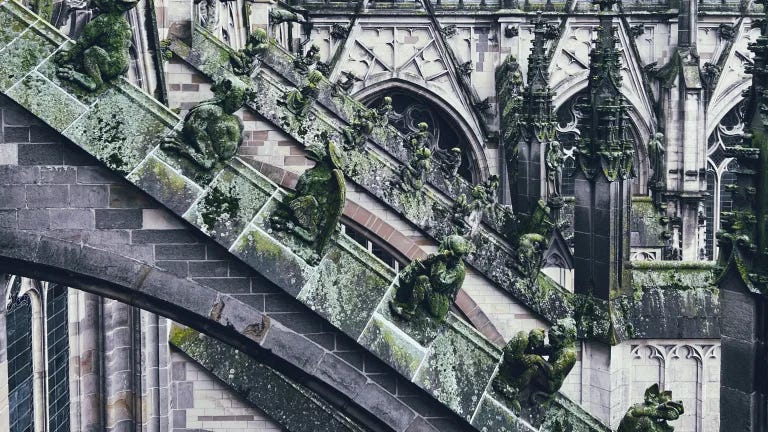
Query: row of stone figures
x=531, y=371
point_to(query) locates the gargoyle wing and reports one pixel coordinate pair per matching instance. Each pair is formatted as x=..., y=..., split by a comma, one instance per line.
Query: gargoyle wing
x=337, y=197
x=306, y=211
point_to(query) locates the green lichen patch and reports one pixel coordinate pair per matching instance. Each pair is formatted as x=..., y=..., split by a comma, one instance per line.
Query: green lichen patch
x=22, y=55
x=119, y=130
x=269, y=257
x=46, y=101
x=457, y=371
x=209, y=54
x=493, y=416
x=391, y=345
x=11, y=24
x=169, y=187
x=228, y=206
x=345, y=289
x=291, y=405
x=421, y=327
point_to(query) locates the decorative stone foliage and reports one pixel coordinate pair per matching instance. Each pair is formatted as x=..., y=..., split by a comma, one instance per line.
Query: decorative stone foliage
x=653, y=414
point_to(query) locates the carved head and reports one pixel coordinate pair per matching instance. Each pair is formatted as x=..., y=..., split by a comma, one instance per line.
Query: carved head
x=666, y=408
x=328, y=152
x=231, y=95
x=563, y=333
x=535, y=340
x=455, y=246
x=115, y=6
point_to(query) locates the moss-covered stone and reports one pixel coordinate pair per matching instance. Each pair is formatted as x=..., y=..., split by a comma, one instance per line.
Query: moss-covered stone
x=57, y=108
x=228, y=205
x=291, y=405
x=390, y=344
x=457, y=369
x=272, y=259
x=165, y=185
x=493, y=416
x=121, y=128
x=23, y=54
x=345, y=289
x=11, y=25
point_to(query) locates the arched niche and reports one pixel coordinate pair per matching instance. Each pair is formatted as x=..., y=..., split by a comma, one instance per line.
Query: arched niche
x=453, y=130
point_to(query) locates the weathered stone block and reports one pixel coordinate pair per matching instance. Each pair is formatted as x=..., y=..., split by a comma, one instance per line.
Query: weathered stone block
x=118, y=218
x=455, y=354
x=24, y=53
x=47, y=196
x=180, y=252
x=165, y=185
x=494, y=416
x=57, y=108
x=393, y=346
x=346, y=289
x=40, y=154
x=72, y=219
x=88, y=196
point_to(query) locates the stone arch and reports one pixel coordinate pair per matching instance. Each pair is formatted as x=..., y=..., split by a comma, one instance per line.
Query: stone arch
x=474, y=137
x=204, y=309
x=724, y=104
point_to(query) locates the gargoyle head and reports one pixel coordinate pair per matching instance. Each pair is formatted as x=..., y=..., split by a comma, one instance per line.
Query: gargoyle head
x=455, y=246
x=563, y=333
x=115, y=6
x=231, y=95
x=666, y=408
x=329, y=153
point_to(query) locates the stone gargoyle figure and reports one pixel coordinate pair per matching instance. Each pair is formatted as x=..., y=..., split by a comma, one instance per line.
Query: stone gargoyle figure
x=242, y=60
x=299, y=100
x=432, y=283
x=303, y=63
x=101, y=53
x=414, y=175
x=313, y=211
x=652, y=415
x=211, y=132
x=525, y=374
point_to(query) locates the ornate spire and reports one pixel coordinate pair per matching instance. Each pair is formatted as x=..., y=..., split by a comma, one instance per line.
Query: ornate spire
x=604, y=146
x=540, y=117
x=744, y=237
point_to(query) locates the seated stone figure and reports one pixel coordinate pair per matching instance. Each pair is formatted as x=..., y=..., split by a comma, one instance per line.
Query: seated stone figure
x=432, y=283
x=525, y=375
x=299, y=101
x=211, y=133
x=242, y=60
x=652, y=415
x=313, y=212
x=101, y=53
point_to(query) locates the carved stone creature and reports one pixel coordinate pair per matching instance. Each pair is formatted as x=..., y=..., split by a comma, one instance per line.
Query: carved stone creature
x=524, y=373
x=529, y=254
x=357, y=133
x=279, y=16
x=298, y=101
x=211, y=133
x=303, y=63
x=432, y=283
x=554, y=162
x=101, y=53
x=652, y=415
x=450, y=162
x=414, y=175
x=313, y=212
x=242, y=60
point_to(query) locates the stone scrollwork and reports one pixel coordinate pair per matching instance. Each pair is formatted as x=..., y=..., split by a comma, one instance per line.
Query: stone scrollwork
x=525, y=376
x=101, y=54
x=653, y=414
x=211, y=133
x=429, y=286
x=313, y=212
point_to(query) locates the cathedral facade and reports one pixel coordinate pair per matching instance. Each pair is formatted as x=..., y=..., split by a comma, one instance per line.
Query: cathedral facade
x=430, y=215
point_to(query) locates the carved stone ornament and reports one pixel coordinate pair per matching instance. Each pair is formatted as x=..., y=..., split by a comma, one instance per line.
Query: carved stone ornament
x=652, y=415
x=299, y=100
x=211, y=132
x=525, y=376
x=312, y=214
x=101, y=54
x=242, y=61
x=428, y=287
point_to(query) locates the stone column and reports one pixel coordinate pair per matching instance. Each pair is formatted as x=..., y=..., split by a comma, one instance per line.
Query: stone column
x=4, y=414
x=86, y=413
x=119, y=350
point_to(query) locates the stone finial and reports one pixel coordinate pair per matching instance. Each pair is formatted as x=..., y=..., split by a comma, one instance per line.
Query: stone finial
x=101, y=54
x=652, y=415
